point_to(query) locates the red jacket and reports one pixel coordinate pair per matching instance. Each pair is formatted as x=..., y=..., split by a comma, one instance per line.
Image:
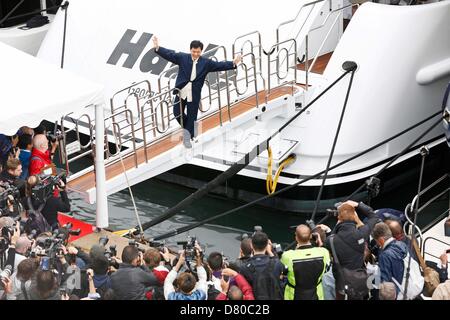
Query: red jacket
x=38, y=161
x=245, y=287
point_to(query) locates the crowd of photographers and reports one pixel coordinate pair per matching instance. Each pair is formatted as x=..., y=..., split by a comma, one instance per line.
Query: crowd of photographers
x=365, y=256
x=358, y=259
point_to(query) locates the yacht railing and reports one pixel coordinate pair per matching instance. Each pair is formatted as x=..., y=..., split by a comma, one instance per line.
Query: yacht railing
x=413, y=209
x=141, y=116
x=425, y=252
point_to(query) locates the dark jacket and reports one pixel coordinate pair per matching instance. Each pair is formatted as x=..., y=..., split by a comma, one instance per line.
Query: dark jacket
x=55, y=205
x=5, y=176
x=130, y=282
x=350, y=241
x=204, y=66
x=390, y=261
x=24, y=157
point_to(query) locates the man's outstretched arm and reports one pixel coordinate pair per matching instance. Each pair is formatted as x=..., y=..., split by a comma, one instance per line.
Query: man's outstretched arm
x=167, y=54
x=224, y=65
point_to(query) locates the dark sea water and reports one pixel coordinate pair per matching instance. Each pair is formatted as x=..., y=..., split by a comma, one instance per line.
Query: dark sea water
x=154, y=196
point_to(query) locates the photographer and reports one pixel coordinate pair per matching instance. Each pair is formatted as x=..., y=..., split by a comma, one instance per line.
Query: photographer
x=306, y=265
x=41, y=156
x=130, y=281
x=6, y=148
x=11, y=175
x=349, y=239
x=100, y=267
x=49, y=209
x=23, y=245
x=241, y=291
x=21, y=280
x=263, y=271
x=25, y=145
x=8, y=265
x=45, y=286
x=245, y=253
x=152, y=263
x=188, y=287
x=216, y=264
x=56, y=204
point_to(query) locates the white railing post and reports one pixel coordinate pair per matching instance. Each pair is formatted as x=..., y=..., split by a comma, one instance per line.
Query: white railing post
x=102, y=219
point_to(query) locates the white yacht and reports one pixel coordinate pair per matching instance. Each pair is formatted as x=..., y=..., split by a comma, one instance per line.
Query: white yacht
x=335, y=105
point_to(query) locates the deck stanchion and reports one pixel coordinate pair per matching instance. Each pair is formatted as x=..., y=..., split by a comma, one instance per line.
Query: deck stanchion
x=100, y=175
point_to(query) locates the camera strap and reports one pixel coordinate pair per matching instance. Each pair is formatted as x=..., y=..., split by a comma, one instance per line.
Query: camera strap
x=24, y=290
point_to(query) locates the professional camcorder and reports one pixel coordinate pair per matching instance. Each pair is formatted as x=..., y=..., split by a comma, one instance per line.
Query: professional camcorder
x=52, y=246
x=44, y=189
x=189, y=248
x=109, y=253
x=56, y=136
x=9, y=195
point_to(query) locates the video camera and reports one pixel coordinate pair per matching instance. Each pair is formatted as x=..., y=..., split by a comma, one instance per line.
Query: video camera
x=110, y=252
x=136, y=244
x=275, y=246
x=189, y=248
x=56, y=136
x=44, y=189
x=158, y=245
x=52, y=246
x=9, y=195
x=255, y=229
x=5, y=274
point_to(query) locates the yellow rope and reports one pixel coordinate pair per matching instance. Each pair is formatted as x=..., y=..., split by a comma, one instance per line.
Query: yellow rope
x=271, y=183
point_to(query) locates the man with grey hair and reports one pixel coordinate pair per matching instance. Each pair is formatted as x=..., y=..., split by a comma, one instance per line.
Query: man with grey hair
x=41, y=156
x=390, y=259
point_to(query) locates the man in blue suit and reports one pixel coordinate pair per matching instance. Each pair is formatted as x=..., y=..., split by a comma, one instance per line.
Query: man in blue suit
x=193, y=69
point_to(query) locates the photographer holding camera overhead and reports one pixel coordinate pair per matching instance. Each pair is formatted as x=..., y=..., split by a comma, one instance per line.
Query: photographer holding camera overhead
x=187, y=286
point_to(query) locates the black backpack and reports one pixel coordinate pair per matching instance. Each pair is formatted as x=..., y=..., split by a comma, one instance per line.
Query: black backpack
x=212, y=292
x=354, y=281
x=266, y=286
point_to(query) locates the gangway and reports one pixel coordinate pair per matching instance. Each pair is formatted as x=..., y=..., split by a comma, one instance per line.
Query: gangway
x=142, y=135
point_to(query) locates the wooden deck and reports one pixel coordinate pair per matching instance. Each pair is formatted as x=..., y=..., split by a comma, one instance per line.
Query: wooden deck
x=86, y=182
x=319, y=66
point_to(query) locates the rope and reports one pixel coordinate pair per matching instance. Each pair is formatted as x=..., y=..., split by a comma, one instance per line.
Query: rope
x=271, y=183
x=235, y=168
x=196, y=224
x=399, y=155
x=124, y=232
x=330, y=158
x=416, y=213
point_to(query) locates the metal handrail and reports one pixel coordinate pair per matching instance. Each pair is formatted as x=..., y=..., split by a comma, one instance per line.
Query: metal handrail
x=270, y=61
x=64, y=156
x=116, y=129
x=293, y=20
x=340, y=10
x=413, y=203
x=435, y=239
x=410, y=206
x=259, y=46
x=168, y=98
